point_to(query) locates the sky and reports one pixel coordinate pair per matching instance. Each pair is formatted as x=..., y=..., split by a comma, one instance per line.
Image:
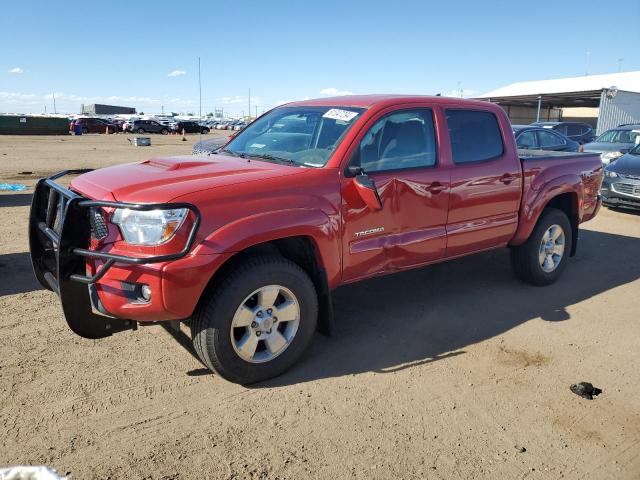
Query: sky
x=145, y=53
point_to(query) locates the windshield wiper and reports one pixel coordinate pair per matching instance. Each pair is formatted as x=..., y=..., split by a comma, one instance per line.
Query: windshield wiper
x=273, y=158
x=231, y=152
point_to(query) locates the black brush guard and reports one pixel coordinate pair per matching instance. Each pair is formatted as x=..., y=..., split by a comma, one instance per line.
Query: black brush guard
x=59, y=234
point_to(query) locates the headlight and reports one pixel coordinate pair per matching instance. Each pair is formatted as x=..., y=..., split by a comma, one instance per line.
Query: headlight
x=608, y=157
x=151, y=227
x=609, y=174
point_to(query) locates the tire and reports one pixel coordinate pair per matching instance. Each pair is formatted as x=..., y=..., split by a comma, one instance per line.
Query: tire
x=205, y=131
x=219, y=344
x=140, y=130
x=527, y=259
x=85, y=131
x=164, y=131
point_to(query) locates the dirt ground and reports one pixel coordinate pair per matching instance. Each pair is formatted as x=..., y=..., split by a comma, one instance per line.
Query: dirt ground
x=452, y=371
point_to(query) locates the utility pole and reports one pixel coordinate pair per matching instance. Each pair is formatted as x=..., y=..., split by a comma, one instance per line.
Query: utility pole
x=249, y=104
x=199, y=101
x=620, y=60
x=54, y=103
x=588, y=61
x=256, y=112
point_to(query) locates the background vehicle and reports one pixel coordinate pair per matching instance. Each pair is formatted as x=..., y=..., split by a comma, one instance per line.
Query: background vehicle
x=148, y=126
x=209, y=145
x=250, y=242
x=577, y=131
x=621, y=185
x=96, y=125
x=538, y=138
x=190, y=127
x=615, y=142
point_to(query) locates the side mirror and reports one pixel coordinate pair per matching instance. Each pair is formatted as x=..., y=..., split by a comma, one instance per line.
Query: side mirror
x=366, y=188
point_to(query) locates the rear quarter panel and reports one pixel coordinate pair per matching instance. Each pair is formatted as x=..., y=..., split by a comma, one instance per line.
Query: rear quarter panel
x=548, y=177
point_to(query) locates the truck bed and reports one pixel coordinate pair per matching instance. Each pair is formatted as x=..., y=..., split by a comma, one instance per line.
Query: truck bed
x=525, y=155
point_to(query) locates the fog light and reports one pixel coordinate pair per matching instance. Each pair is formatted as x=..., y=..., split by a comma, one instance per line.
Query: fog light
x=145, y=291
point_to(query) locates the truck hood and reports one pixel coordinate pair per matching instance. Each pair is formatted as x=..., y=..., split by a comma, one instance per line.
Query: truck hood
x=164, y=179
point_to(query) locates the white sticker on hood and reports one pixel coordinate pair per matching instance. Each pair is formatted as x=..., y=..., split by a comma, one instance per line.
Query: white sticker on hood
x=257, y=145
x=338, y=114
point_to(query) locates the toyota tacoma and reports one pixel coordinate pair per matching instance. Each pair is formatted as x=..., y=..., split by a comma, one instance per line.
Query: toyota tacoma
x=246, y=244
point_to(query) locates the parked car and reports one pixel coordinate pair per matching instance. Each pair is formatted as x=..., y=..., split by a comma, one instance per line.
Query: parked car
x=621, y=185
x=96, y=125
x=615, y=142
x=148, y=126
x=538, y=138
x=209, y=145
x=249, y=243
x=190, y=127
x=577, y=131
x=239, y=125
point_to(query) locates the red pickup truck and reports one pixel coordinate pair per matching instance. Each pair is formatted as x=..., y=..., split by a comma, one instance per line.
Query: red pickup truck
x=247, y=244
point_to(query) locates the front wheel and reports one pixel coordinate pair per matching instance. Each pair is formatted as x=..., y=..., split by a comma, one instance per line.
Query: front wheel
x=257, y=322
x=140, y=130
x=164, y=131
x=205, y=131
x=542, y=258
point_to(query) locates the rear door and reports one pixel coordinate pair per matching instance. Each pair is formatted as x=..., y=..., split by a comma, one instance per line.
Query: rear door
x=398, y=149
x=486, y=182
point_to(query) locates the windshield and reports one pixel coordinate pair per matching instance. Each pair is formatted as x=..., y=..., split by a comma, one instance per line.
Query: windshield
x=297, y=135
x=619, y=136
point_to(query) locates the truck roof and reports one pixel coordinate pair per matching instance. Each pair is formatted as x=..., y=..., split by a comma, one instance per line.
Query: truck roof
x=383, y=99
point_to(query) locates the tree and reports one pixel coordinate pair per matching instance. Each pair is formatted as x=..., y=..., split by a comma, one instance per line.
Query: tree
x=141, y=113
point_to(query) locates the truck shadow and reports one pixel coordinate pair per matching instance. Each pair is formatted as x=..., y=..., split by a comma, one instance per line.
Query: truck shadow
x=16, y=274
x=16, y=200
x=426, y=315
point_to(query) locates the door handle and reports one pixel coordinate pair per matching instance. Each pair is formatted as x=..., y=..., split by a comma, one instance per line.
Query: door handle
x=507, y=178
x=436, y=187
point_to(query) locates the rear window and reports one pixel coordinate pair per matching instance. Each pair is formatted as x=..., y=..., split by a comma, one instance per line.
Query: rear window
x=475, y=136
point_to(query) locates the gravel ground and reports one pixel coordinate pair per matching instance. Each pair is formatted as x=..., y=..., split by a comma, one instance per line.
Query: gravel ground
x=452, y=371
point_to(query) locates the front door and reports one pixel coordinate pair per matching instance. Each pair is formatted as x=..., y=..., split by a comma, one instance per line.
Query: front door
x=399, y=153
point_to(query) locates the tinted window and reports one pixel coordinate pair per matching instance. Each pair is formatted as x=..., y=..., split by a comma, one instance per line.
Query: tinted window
x=562, y=129
x=527, y=139
x=575, y=130
x=399, y=140
x=475, y=135
x=548, y=139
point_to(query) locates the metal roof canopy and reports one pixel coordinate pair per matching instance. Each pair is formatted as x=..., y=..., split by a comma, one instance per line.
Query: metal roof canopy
x=582, y=91
x=557, y=100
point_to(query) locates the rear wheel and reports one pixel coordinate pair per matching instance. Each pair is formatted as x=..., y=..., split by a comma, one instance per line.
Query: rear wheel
x=164, y=131
x=257, y=322
x=140, y=130
x=205, y=130
x=542, y=258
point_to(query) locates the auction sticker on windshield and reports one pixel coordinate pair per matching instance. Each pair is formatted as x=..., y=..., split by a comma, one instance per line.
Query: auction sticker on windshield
x=338, y=114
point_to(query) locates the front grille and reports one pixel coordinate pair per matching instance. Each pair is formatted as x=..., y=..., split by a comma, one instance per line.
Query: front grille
x=627, y=189
x=99, y=229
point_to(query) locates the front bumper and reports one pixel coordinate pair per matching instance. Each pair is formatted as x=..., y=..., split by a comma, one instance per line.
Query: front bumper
x=60, y=232
x=621, y=192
